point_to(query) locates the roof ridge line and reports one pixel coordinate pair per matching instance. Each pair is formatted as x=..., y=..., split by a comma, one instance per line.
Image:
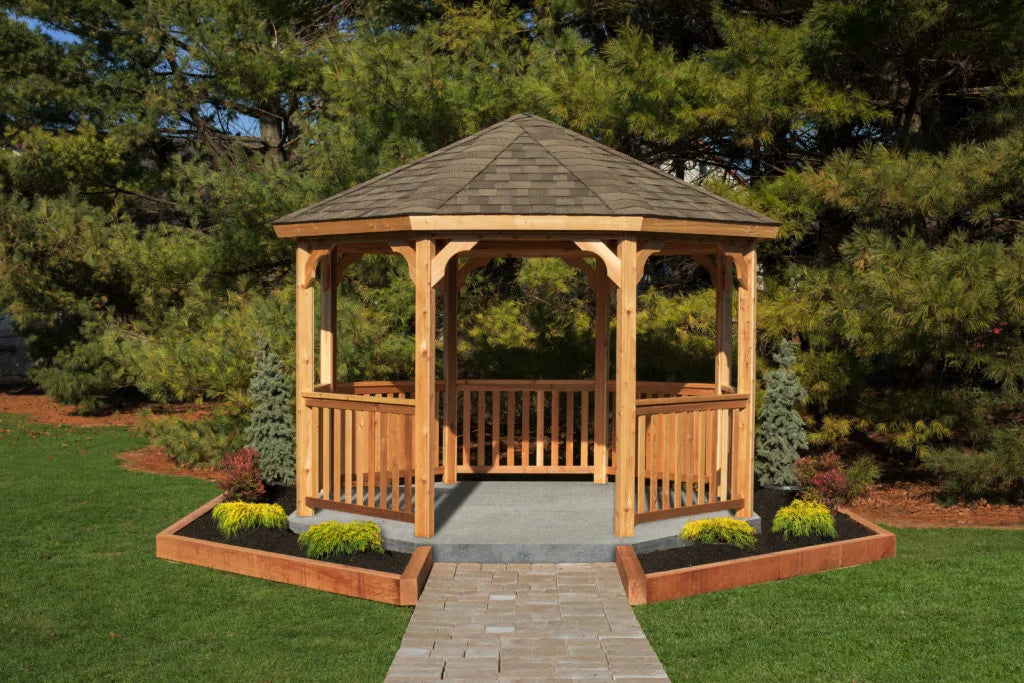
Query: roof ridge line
x=649, y=167
x=370, y=181
x=568, y=170
x=484, y=167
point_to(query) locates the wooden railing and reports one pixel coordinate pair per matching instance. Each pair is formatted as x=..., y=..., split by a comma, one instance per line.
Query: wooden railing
x=362, y=454
x=683, y=455
x=526, y=426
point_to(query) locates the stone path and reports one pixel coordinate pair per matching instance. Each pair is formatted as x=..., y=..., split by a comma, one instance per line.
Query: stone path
x=524, y=622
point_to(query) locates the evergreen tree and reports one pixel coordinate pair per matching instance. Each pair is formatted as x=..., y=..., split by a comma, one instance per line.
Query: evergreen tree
x=780, y=429
x=271, y=428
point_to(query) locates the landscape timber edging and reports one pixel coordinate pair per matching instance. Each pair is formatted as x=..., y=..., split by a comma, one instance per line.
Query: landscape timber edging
x=643, y=589
x=369, y=584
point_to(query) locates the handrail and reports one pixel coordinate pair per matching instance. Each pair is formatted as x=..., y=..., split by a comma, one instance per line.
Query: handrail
x=681, y=404
x=379, y=404
x=406, y=386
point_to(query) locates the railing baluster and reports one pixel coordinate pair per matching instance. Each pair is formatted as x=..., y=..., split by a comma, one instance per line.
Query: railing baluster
x=510, y=429
x=641, y=463
x=570, y=428
x=539, y=432
x=495, y=429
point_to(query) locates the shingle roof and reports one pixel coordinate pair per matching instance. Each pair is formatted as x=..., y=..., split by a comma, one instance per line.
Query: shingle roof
x=527, y=165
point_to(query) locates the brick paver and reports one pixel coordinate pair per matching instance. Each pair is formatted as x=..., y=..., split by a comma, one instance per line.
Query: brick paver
x=524, y=621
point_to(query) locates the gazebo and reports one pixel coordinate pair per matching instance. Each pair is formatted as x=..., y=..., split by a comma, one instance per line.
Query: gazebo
x=526, y=187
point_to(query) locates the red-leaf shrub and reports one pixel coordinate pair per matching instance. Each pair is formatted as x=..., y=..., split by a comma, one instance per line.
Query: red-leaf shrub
x=243, y=475
x=824, y=479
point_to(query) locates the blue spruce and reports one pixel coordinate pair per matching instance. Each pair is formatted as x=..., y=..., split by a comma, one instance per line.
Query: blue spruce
x=271, y=429
x=780, y=429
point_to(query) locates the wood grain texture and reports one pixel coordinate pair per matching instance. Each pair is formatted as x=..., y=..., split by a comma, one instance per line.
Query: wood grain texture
x=632, y=574
x=356, y=582
x=746, y=571
x=625, y=390
x=424, y=439
x=304, y=381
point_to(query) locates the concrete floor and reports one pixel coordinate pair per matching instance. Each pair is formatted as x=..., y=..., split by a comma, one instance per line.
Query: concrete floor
x=502, y=521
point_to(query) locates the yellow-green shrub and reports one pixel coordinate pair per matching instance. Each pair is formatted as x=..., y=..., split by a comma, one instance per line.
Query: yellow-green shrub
x=804, y=518
x=721, y=530
x=237, y=516
x=328, y=539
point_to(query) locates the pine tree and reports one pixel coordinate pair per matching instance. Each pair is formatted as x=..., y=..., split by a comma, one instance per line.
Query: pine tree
x=271, y=428
x=780, y=429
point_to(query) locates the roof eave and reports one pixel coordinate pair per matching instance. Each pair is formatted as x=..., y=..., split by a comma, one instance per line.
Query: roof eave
x=524, y=223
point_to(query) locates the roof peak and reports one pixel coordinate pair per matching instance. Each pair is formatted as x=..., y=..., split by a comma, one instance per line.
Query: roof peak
x=527, y=165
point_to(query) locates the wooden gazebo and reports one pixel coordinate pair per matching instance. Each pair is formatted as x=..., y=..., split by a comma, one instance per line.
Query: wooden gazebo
x=526, y=187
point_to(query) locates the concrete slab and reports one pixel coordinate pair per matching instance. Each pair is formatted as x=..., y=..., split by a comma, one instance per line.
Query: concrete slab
x=502, y=521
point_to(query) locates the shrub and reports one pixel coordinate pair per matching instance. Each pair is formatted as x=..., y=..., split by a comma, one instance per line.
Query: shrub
x=995, y=471
x=271, y=429
x=195, y=442
x=804, y=518
x=863, y=473
x=237, y=516
x=824, y=479
x=328, y=539
x=243, y=476
x=721, y=530
x=780, y=429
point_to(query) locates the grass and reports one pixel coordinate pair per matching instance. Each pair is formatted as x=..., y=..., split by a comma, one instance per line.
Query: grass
x=82, y=595
x=947, y=607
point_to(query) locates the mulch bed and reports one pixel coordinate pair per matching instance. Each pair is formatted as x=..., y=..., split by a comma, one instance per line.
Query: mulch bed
x=766, y=503
x=285, y=542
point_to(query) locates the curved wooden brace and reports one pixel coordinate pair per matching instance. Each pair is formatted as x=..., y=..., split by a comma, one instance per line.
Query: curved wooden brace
x=408, y=252
x=603, y=252
x=589, y=271
x=743, y=273
x=468, y=267
x=708, y=263
x=309, y=272
x=345, y=260
x=440, y=260
x=651, y=247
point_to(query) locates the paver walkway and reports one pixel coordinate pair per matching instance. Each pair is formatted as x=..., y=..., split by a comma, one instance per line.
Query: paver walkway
x=524, y=621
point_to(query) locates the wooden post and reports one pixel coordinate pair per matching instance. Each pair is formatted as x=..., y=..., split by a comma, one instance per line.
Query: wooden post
x=625, y=390
x=424, y=442
x=600, y=375
x=723, y=363
x=451, y=368
x=746, y=369
x=304, y=484
x=328, y=319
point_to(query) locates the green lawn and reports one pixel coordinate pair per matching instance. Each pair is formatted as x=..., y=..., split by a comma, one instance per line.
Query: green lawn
x=82, y=595
x=949, y=606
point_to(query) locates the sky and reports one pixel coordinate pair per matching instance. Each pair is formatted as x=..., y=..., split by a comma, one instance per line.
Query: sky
x=243, y=125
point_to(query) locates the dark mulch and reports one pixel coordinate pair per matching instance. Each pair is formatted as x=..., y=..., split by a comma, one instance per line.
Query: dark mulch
x=766, y=503
x=285, y=542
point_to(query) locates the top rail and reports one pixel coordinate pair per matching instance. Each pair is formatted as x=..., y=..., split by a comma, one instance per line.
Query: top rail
x=683, y=404
x=406, y=386
x=378, y=404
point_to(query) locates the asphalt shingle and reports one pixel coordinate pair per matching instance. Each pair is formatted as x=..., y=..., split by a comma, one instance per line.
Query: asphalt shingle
x=531, y=166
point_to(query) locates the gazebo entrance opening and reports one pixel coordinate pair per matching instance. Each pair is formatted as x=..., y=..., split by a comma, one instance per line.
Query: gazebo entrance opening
x=526, y=187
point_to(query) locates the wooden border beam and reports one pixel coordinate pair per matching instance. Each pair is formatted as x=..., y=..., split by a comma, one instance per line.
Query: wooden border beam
x=437, y=224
